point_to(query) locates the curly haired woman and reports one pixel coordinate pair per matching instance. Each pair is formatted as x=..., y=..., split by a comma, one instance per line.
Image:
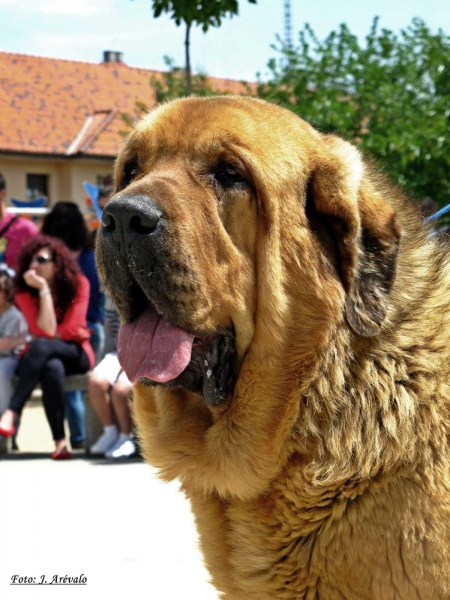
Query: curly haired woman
x=53, y=296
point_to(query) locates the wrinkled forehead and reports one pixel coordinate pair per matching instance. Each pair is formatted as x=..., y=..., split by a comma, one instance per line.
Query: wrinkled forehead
x=195, y=126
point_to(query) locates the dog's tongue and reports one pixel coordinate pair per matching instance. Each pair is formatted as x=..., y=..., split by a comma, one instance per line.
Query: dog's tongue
x=153, y=348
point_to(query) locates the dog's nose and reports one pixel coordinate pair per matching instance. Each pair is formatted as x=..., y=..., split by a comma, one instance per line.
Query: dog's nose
x=130, y=216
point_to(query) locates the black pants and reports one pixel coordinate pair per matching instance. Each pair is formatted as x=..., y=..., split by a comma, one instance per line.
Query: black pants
x=48, y=361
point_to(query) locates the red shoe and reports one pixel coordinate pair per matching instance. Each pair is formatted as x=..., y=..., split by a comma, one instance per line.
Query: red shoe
x=7, y=432
x=62, y=455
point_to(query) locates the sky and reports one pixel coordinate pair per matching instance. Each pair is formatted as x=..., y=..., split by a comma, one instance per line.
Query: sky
x=239, y=49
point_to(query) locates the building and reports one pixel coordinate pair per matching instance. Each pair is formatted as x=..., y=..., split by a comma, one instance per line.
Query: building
x=61, y=121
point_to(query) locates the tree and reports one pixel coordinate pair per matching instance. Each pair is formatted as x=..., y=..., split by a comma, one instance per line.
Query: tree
x=390, y=95
x=207, y=13
x=172, y=83
x=169, y=85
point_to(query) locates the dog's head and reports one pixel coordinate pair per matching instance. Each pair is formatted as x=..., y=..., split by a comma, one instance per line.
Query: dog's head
x=237, y=228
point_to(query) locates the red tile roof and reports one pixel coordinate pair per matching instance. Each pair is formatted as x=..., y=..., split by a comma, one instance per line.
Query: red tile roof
x=62, y=107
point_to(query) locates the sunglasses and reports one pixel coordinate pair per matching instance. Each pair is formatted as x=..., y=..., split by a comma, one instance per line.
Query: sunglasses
x=42, y=260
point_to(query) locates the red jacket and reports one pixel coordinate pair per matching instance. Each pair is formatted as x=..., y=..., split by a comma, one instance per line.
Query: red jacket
x=72, y=327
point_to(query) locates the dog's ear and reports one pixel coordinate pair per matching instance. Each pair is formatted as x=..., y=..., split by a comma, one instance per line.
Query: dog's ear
x=365, y=231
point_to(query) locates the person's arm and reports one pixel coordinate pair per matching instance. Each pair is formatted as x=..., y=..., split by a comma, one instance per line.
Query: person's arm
x=14, y=331
x=9, y=342
x=31, y=310
x=46, y=319
x=89, y=270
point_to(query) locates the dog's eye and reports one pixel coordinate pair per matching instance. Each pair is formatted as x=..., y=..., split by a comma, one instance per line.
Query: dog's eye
x=227, y=175
x=130, y=171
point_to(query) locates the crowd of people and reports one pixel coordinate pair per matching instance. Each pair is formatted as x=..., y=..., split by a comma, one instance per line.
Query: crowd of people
x=55, y=321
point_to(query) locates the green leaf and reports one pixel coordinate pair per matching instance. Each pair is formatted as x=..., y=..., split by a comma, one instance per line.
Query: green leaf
x=390, y=94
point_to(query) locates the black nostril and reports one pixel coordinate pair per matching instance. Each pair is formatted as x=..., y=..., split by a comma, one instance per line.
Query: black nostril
x=108, y=223
x=130, y=217
x=143, y=225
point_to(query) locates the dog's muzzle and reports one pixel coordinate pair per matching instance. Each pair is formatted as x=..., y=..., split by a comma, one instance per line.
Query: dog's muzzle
x=141, y=271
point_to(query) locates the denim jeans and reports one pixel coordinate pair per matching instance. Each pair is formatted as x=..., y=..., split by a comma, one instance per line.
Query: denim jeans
x=8, y=366
x=75, y=415
x=97, y=339
x=74, y=401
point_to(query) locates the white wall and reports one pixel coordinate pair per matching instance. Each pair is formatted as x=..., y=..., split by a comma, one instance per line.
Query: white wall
x=66, y=176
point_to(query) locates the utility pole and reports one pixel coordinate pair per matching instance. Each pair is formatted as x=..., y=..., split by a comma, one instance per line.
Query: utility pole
x=287, y=25
x=288, y=30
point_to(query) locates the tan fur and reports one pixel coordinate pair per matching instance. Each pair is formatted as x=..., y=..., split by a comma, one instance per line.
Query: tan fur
x=326, y=474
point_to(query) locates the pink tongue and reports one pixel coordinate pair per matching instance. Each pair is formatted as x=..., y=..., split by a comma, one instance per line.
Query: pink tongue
x=153, y=348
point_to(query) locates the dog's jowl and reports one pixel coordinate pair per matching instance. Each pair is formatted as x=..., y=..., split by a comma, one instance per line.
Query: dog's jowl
x=286, y=326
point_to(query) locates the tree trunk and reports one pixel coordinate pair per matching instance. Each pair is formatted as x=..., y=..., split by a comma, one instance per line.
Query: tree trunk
x=188, y=61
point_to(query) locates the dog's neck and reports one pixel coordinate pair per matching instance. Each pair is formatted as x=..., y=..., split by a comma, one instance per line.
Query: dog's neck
x=360, y=418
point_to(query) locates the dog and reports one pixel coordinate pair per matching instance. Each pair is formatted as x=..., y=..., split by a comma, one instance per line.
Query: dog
x=286, y=327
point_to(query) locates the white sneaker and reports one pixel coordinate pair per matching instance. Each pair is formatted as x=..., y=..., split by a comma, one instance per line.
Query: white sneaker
x=124, y=448
x=106, y=441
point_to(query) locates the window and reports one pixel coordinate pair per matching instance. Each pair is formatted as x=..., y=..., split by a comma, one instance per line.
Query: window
x=37, y=186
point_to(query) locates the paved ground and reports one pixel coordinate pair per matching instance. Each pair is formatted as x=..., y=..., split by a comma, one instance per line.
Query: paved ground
x=130, y=535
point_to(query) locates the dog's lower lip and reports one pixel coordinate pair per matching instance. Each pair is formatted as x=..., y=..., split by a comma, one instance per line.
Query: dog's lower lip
x=209, y=372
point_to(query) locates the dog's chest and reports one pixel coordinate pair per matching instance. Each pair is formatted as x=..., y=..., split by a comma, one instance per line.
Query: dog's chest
x=285, y=548
x=286, y=538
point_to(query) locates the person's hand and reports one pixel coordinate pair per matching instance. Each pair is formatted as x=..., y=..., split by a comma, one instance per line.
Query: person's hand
x=4, y=344
x=34, y=280
x=8, y=342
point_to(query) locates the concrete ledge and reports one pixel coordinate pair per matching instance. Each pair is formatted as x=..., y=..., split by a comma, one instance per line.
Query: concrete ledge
x=71, y=384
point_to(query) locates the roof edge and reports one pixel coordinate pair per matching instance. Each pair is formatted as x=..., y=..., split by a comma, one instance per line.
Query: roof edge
x=61, y=157
x=73, y=146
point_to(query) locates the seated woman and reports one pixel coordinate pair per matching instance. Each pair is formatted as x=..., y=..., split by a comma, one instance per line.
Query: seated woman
x=13, y=329
x=53, y=296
